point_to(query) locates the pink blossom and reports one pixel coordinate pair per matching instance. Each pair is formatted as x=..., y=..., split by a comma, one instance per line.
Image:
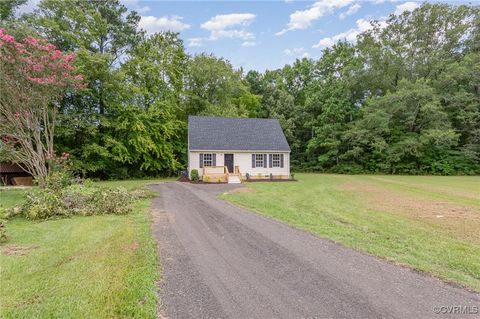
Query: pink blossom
x=38, y=68
x=69, y=57
x=56, y=54
x=67, y=66
x=38, y=62
x=8, y=38
x=31, y=40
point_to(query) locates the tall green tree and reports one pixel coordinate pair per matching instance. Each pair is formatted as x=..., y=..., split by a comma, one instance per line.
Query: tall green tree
x=214, y=87
x=406, y=132
x=102, y=33
x=149, y=132
x=156, y=70
x=331, y=104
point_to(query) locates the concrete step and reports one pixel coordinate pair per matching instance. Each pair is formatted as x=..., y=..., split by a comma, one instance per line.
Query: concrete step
x=234, y=180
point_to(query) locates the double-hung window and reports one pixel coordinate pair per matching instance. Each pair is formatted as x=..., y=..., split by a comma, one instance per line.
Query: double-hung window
x=259, y=160
x=276, y=160
x=207, y=160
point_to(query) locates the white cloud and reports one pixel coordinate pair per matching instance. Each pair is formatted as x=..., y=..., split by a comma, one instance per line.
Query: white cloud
x=134, y=5
x=224, y=21
x=383, y=1
x=231, y=34
x=407, y=6
x=248, y=44
x=229, y=26
x=195, y=42
x=351, y=10
x=153, y=24
x=143, y=9
x=296, y=52
x=302, y=19
x=350, y=35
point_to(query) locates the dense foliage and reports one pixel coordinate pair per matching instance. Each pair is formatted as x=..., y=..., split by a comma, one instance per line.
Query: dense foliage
x=404, y=99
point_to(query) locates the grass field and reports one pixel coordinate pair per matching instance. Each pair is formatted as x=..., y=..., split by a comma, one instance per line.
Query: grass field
x=79, y=267
x=430, y=223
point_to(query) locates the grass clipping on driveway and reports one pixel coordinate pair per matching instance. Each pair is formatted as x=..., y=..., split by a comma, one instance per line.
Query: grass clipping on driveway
x=79, y=267
x=425, y=222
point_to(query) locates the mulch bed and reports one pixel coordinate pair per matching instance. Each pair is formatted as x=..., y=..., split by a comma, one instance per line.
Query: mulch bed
x=183, y=179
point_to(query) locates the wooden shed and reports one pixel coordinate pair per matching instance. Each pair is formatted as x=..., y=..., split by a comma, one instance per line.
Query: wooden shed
x=13, y=174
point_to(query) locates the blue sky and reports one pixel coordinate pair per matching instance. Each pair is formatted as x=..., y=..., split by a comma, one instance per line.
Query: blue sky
x=263, y=34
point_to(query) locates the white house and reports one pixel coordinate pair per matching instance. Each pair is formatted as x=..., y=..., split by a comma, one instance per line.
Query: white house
x=234, y=149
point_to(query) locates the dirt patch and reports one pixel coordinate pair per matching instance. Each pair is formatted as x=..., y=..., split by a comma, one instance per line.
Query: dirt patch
x=243, y=190
x=134, y=246
x=458, y=219
x=385, y=199
x=16, y=250
x=28, y=302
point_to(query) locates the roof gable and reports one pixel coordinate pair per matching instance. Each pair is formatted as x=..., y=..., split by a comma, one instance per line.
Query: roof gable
x=239, y=134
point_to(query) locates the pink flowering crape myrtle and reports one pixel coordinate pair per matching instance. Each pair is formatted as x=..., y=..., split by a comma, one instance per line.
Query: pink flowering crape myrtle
x=34, y=76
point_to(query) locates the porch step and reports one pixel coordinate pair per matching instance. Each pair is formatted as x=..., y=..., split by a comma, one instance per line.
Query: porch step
x=234, y=179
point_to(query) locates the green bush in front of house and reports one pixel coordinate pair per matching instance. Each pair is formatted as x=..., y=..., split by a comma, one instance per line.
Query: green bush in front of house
x=194, y=175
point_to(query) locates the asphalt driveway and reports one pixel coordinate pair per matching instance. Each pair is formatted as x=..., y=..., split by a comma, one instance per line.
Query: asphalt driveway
x=221, y=261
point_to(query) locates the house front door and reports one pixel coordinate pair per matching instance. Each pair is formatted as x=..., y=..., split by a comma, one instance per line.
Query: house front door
x=228, y=158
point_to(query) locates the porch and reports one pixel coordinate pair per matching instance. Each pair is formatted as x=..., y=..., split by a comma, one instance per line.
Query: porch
x=220, y=174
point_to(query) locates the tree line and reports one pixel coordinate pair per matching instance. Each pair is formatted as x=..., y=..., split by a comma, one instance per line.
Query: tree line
x=404, y=99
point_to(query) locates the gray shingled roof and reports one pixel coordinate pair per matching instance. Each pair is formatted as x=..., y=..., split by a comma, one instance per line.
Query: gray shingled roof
x=241, y=134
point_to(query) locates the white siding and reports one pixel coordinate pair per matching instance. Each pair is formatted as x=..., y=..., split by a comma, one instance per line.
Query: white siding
x=244, y=160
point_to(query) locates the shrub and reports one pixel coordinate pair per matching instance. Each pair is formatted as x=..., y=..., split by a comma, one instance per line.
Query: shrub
x=58, y=180
x=110, y=201
x=194, y=175
x=42, y=204
x=76, y=199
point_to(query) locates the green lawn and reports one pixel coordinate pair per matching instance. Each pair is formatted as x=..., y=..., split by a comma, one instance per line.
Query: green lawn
x=429, y=223
x=79, y=267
